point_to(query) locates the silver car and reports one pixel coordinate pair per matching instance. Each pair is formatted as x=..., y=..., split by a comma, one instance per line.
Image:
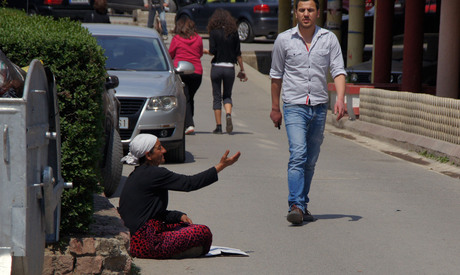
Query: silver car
x=150, y=90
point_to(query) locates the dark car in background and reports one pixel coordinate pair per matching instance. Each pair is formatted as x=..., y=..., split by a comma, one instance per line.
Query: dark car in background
x=73, y=9
x=121, y=6
x=361, y=73
x=254, y=17
x=128, y=6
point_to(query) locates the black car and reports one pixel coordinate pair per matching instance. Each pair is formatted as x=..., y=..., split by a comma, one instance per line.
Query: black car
x=361, y=73
x=74, y=9
x=121, y=6
x=254, y=17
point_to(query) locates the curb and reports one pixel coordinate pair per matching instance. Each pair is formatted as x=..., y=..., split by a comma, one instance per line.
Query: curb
x=402, y=139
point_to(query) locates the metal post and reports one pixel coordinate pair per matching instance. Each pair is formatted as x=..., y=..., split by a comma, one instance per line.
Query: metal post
x=413, y=46
x=383, y=40
x=334, y=17
x=322, y=14
x=355, y=32
x=448, y=83
x=284, y=15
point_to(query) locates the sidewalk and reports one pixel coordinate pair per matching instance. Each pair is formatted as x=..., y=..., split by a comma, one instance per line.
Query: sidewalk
x=377, y=214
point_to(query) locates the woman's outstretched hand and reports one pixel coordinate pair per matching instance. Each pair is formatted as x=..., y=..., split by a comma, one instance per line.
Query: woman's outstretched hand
x=227, y=161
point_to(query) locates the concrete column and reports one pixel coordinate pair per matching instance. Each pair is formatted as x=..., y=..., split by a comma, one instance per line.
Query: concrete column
x=383, y=41
x=447, y=83
x=334, y=17
x=284, y=15
x=355, y=43
x=413, y=46
x=322, y=14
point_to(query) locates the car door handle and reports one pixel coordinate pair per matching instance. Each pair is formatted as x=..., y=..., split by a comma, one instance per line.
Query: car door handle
x=6, y=147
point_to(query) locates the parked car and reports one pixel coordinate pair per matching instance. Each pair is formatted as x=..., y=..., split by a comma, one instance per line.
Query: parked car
x=113, y=149
x=121, y=6
x=361, y=73
x=254, y=17
x=150, y=90
x=74, y=9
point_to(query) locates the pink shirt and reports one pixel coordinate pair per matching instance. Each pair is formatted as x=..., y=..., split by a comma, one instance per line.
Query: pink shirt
x=191, y=50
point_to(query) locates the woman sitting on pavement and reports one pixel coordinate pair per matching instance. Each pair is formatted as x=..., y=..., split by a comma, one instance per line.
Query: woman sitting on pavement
x=155, y=231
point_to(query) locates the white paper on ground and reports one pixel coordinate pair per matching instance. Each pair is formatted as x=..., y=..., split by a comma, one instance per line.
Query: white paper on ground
x=220, y=250
x=5, y=260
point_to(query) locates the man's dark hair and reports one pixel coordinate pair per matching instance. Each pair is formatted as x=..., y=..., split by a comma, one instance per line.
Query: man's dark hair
x=316, y=3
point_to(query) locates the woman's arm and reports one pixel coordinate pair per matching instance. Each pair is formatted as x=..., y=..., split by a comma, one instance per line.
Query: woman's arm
x=241, y=75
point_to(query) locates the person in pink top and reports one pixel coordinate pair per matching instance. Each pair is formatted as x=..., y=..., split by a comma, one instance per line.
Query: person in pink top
x=187, y=45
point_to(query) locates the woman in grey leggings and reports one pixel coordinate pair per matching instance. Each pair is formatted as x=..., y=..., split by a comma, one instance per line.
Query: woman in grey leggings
x=224, y=44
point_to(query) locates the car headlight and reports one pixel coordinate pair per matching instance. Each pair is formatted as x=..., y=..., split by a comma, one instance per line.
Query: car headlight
x=164, y=103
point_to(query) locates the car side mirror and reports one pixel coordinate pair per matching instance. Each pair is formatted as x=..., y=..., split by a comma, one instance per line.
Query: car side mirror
x=111, y=82
x=185, y=67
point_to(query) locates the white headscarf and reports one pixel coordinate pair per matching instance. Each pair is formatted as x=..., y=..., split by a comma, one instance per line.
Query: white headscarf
x=140, y=145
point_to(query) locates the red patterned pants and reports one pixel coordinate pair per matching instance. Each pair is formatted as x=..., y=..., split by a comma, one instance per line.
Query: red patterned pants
x=159, y=240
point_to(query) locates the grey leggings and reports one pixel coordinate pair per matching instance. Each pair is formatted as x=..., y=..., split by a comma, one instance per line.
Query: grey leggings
x=222, y=75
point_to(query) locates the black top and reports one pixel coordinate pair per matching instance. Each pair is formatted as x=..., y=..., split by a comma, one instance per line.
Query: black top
x=145, y=194
x=224, y=49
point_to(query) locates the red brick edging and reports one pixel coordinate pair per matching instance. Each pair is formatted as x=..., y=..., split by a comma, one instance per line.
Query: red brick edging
x=103, y=251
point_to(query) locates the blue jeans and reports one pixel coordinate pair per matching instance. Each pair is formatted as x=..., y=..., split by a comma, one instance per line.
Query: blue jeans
x=161, y=14
x=305, y=131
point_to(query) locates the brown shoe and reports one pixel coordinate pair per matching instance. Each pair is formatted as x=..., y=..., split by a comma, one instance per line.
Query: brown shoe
x=295, y=216
x=308, y=217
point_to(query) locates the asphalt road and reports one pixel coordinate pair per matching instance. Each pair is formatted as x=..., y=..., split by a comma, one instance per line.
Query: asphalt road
x=377, y=214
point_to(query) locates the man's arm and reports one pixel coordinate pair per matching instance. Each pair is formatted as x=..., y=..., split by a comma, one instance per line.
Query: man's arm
x=339, y=108
x=275, y=113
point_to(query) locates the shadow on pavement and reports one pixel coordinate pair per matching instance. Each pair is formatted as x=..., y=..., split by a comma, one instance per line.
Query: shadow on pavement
x=353, y=218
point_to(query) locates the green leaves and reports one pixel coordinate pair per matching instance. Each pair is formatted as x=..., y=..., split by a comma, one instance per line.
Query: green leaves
x=77, y=63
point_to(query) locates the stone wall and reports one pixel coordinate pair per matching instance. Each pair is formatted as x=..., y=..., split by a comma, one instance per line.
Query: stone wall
x=422, y=114
x=103, y=251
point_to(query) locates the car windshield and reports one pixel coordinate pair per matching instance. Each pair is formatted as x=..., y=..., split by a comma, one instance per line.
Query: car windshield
x=125, y=53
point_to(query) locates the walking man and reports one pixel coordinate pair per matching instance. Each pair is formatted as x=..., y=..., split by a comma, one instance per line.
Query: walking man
x=301, y=59
x=155, y=6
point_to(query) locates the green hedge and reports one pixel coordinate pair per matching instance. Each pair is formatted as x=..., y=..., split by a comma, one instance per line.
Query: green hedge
x=77, y=63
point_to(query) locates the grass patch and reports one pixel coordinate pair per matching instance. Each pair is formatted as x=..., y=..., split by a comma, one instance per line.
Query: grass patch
x=426, y=154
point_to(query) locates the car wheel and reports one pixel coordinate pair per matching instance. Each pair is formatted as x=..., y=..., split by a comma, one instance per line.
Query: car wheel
x=176, y=155
x=245, y=32
x=111, y=173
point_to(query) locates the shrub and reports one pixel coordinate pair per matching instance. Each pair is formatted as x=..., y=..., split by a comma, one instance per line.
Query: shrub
x=77, y=63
